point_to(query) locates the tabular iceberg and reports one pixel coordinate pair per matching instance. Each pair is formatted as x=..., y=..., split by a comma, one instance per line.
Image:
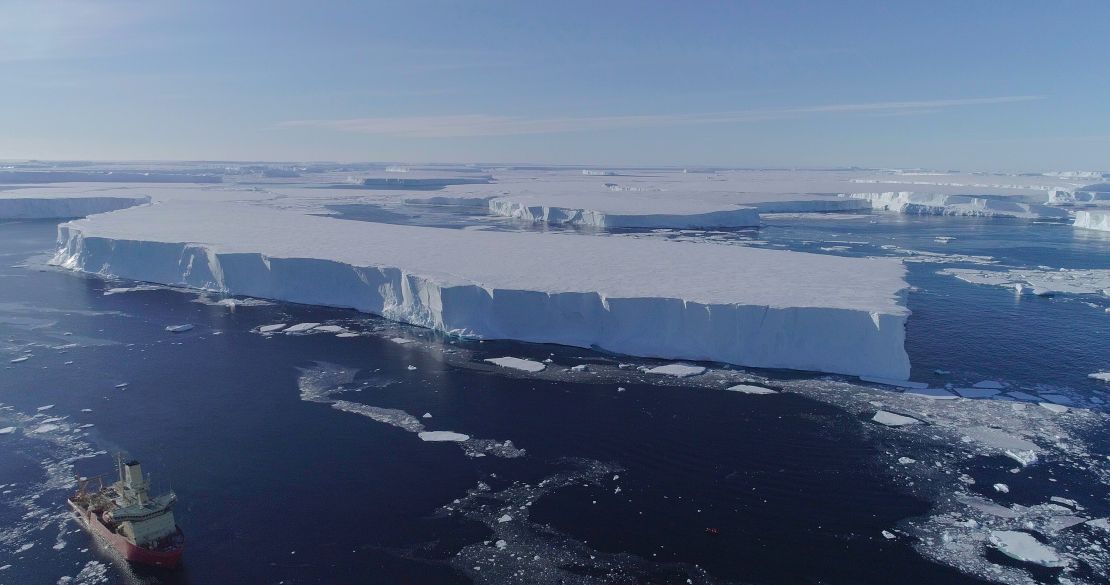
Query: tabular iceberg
x=914, y=203
x=1093, y=220
x=697, y=301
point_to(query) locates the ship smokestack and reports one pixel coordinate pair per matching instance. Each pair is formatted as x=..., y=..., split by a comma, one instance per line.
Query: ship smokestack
x=133, y=480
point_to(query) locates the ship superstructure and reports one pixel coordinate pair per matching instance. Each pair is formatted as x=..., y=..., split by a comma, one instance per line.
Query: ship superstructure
x=141, y=527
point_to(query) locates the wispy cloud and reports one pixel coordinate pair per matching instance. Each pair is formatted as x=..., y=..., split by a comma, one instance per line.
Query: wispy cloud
x=471, y=125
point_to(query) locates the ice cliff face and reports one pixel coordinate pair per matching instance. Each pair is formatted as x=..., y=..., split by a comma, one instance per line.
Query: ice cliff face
x=914, y=203
x=63, y=207
x=1093, y=220
x=655, y=299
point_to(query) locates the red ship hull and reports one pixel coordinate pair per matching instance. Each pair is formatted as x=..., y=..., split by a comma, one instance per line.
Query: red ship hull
x=169, y=558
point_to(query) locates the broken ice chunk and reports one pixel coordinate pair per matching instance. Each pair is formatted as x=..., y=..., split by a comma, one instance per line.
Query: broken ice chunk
x=893, y=420
x=989, y=384
x=271, y=328
x=1001, y=488
x=179, y=328
x=301, y=327
x=1057, y=408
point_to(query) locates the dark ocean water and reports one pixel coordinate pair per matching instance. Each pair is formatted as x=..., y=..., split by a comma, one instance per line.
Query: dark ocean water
x=277, y=489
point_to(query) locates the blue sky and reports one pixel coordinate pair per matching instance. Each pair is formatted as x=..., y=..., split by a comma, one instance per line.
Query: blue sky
x=968, y=85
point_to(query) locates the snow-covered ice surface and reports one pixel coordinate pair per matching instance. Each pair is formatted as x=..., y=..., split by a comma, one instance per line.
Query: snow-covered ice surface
x=766, y=308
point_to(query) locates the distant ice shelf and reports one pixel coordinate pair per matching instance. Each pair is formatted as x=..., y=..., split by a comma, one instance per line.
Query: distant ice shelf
x=1093, y=220
x=12, y=206
x=676, y=300
x=917, y=203
x=625, y=212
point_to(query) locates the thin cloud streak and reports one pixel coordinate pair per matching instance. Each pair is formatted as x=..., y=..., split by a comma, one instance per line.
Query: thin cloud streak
x=473, y=125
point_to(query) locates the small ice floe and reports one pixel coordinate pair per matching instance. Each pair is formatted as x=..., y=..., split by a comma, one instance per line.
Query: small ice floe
x=1074, y=505
x=932, y=393
x=401, y=340
x=20, y=360
x=1001, y=488
x=47, y=407
x=347, y=334
x=427, y=415
x=86, y=410
x=501, y=545
x=906, y=461
x=1104, y=376
x=977, y=392
x=179, y=328
x=517, y=364
x=941, y=372
x=889, y=535
x=411, y=368
x=891, y=419
x=621, y=388
x=271, y=328
x=677, y=370
x=580, y=368
x=45, y=428
x=1102, y=523
x=25, y=548
x=437, y=436
x=86, y=426
x=1057, y=408
x=1022, y=546
x=989, y=384
x=329, y=329
x=301, y=327
x=122, y=385
x=896, y=383
x=504, y=519
x=7, y=430
x=749, y=389
x=943, y=239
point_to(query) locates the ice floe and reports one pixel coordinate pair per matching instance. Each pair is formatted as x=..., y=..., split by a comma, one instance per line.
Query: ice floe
x=676, y=370
x=749, y=389
x=434, y=436
x=517, y=364
x=1023, y=546
x=891, y=419
x=1039, y=281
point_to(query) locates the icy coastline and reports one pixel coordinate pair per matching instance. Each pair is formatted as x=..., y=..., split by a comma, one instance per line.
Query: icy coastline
x=763, y=308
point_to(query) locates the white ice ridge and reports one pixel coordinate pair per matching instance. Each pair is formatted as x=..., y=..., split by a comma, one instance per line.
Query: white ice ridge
x=680, y=300
x=1093, y=220
x=13, y=206
x=915, y=203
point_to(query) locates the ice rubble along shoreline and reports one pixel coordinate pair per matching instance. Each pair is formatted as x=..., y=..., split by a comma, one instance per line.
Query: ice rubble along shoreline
x=12, y=206
x=679, y=300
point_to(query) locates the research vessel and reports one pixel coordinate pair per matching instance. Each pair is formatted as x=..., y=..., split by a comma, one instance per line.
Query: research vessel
x=140, y=527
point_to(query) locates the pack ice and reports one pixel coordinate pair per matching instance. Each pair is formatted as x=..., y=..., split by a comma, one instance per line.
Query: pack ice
x=681, y=300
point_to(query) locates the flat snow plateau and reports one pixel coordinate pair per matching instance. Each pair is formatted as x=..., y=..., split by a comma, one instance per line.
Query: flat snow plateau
x=683, y=300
